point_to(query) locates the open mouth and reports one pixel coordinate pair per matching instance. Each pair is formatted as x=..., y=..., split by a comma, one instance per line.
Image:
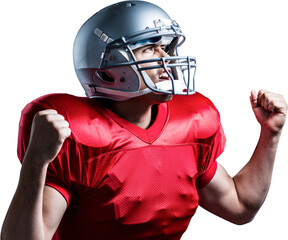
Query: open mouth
x=164, y=75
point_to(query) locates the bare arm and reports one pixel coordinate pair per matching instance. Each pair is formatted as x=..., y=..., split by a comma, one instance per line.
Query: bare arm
x=36, y=210
x=238, y=199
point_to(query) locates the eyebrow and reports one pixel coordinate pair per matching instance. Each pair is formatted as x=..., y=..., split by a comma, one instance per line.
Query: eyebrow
x=155, y=45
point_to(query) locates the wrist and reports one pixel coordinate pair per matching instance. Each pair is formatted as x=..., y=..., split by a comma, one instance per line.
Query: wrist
x=33, y=170
x=37, y=156
x=269, y=139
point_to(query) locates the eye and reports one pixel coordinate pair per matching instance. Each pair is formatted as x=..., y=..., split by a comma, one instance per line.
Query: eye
x=148, y=49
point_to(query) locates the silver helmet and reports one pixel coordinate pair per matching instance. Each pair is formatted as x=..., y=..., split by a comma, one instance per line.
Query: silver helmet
x=103, y=52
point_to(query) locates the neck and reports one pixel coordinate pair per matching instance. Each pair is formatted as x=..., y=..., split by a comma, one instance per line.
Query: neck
x=136, y=111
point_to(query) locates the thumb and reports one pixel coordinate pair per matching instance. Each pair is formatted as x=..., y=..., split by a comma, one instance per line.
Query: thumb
x=254, y=99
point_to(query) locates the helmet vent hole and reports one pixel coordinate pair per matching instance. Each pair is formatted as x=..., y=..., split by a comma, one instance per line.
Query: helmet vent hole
x=106, y=77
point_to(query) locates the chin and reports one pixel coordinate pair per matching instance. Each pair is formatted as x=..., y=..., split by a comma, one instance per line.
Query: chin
x=163, y=97
x=156, y=98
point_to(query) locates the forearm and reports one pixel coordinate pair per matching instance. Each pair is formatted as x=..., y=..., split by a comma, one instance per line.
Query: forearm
x=238, y=199
x=24, y=217
x=253, y=181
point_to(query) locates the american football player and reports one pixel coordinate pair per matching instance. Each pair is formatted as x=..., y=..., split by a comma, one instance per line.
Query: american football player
x=137, y=156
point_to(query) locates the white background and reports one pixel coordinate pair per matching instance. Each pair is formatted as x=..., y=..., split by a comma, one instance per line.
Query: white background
x=239, y=46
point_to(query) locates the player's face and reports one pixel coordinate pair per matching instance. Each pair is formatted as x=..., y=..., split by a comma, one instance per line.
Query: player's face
x=148, y=52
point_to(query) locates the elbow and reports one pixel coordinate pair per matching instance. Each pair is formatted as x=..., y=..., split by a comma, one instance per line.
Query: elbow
x=242, y=220
x=244, y=217
x=247, y=212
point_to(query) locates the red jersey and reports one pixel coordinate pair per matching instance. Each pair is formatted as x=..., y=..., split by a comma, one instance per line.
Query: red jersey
x=124, y=182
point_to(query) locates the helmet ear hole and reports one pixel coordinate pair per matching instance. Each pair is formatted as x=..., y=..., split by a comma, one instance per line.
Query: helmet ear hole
x=105, y=77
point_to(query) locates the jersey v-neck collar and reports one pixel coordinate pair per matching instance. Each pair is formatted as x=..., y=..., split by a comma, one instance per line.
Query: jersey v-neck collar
x=147, y=135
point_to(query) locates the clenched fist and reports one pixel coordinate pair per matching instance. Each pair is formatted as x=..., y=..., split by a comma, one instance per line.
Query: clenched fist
x=270, y=110
x=48, y=133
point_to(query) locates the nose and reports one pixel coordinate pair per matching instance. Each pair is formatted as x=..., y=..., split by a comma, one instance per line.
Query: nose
x=164, y=54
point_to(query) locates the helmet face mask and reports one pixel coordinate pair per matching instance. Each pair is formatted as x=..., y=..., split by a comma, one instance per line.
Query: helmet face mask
x=108, y=68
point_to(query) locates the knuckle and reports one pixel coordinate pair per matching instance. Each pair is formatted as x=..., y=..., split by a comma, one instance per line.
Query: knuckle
x=265, y=95
x=38, y=115
x=261, y=92
x=273, y=102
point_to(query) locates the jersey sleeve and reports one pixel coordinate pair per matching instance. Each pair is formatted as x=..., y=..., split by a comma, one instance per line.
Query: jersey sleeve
x=209, y=166
x=64, y=170
x=60, y=172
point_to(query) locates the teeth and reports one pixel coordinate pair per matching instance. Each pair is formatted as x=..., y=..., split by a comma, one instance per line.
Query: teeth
x=164, y=75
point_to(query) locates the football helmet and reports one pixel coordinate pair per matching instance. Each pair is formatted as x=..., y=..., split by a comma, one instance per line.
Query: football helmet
x=103, y=52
